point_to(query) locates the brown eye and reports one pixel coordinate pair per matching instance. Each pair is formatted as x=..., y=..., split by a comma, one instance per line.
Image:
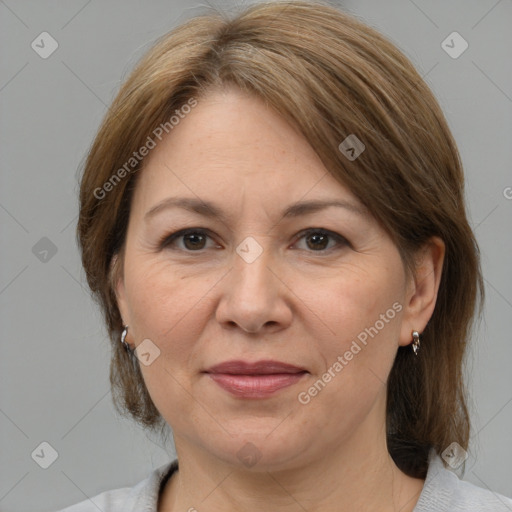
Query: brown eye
x=193, y=240
x=318, y=240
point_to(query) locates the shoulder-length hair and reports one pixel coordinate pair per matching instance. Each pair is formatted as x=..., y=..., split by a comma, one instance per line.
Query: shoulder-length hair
x=331, y=76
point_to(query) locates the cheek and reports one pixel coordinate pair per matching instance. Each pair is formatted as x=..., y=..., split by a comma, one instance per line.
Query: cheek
x=158, y=293
x=168, y=309
x=357, y=358
x=163, y=303
x=357, y=301
x=360, y=315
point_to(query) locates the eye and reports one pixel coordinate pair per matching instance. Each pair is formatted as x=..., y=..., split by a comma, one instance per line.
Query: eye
x=318, y=239
x=194, y=239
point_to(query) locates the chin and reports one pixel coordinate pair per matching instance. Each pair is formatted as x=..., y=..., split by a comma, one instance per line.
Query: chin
x=259, y=449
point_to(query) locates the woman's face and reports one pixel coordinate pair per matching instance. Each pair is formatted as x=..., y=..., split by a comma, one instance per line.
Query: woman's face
x=320, y=288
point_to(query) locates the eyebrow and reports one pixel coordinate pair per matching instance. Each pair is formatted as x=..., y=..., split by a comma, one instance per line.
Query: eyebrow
x=209, y=209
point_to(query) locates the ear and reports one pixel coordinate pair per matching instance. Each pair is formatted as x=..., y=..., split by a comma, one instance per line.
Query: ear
x=423, y=286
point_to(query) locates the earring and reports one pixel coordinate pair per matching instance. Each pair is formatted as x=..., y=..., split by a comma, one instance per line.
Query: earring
x=123, y=338
x=415, y=342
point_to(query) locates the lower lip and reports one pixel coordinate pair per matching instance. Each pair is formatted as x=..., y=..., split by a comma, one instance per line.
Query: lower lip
x=255, y=386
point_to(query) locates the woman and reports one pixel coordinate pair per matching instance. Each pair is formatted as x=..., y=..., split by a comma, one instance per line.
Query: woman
x=272, y=219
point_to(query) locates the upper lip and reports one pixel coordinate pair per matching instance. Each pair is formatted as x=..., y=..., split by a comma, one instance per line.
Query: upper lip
x=263, y=367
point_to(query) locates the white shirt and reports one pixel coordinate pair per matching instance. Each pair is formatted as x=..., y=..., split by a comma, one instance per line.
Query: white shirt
x=443, y=491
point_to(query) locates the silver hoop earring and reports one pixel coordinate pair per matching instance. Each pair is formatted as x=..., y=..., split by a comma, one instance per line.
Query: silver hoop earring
x=415, y=342
x=123, y=338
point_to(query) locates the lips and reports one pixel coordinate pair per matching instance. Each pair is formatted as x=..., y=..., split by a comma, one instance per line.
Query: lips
x=259, y=379
x=264, y=367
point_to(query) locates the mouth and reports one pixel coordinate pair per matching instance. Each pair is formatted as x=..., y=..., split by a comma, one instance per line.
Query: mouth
x=258, y=379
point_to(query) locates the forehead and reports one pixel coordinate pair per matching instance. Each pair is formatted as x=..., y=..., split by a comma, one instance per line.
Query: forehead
x=232, y=148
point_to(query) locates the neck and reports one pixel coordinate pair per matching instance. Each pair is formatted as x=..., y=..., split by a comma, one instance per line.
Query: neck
x=357, y=476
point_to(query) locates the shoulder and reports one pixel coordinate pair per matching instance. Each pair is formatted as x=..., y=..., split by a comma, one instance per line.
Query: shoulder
x=444, y=491
x=142, y=496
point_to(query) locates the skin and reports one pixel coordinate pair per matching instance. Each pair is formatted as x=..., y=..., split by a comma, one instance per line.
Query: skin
x=302, y=301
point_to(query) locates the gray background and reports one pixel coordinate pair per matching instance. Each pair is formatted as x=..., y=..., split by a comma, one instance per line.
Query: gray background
x=55, y=355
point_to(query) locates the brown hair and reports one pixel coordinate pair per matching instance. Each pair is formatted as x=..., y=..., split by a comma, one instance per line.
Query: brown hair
x=331, y=76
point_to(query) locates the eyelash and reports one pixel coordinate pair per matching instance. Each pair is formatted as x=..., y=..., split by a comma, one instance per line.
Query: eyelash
x=167, y=240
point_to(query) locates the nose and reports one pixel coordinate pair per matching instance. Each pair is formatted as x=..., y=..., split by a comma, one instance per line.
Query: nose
x=254, y=296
